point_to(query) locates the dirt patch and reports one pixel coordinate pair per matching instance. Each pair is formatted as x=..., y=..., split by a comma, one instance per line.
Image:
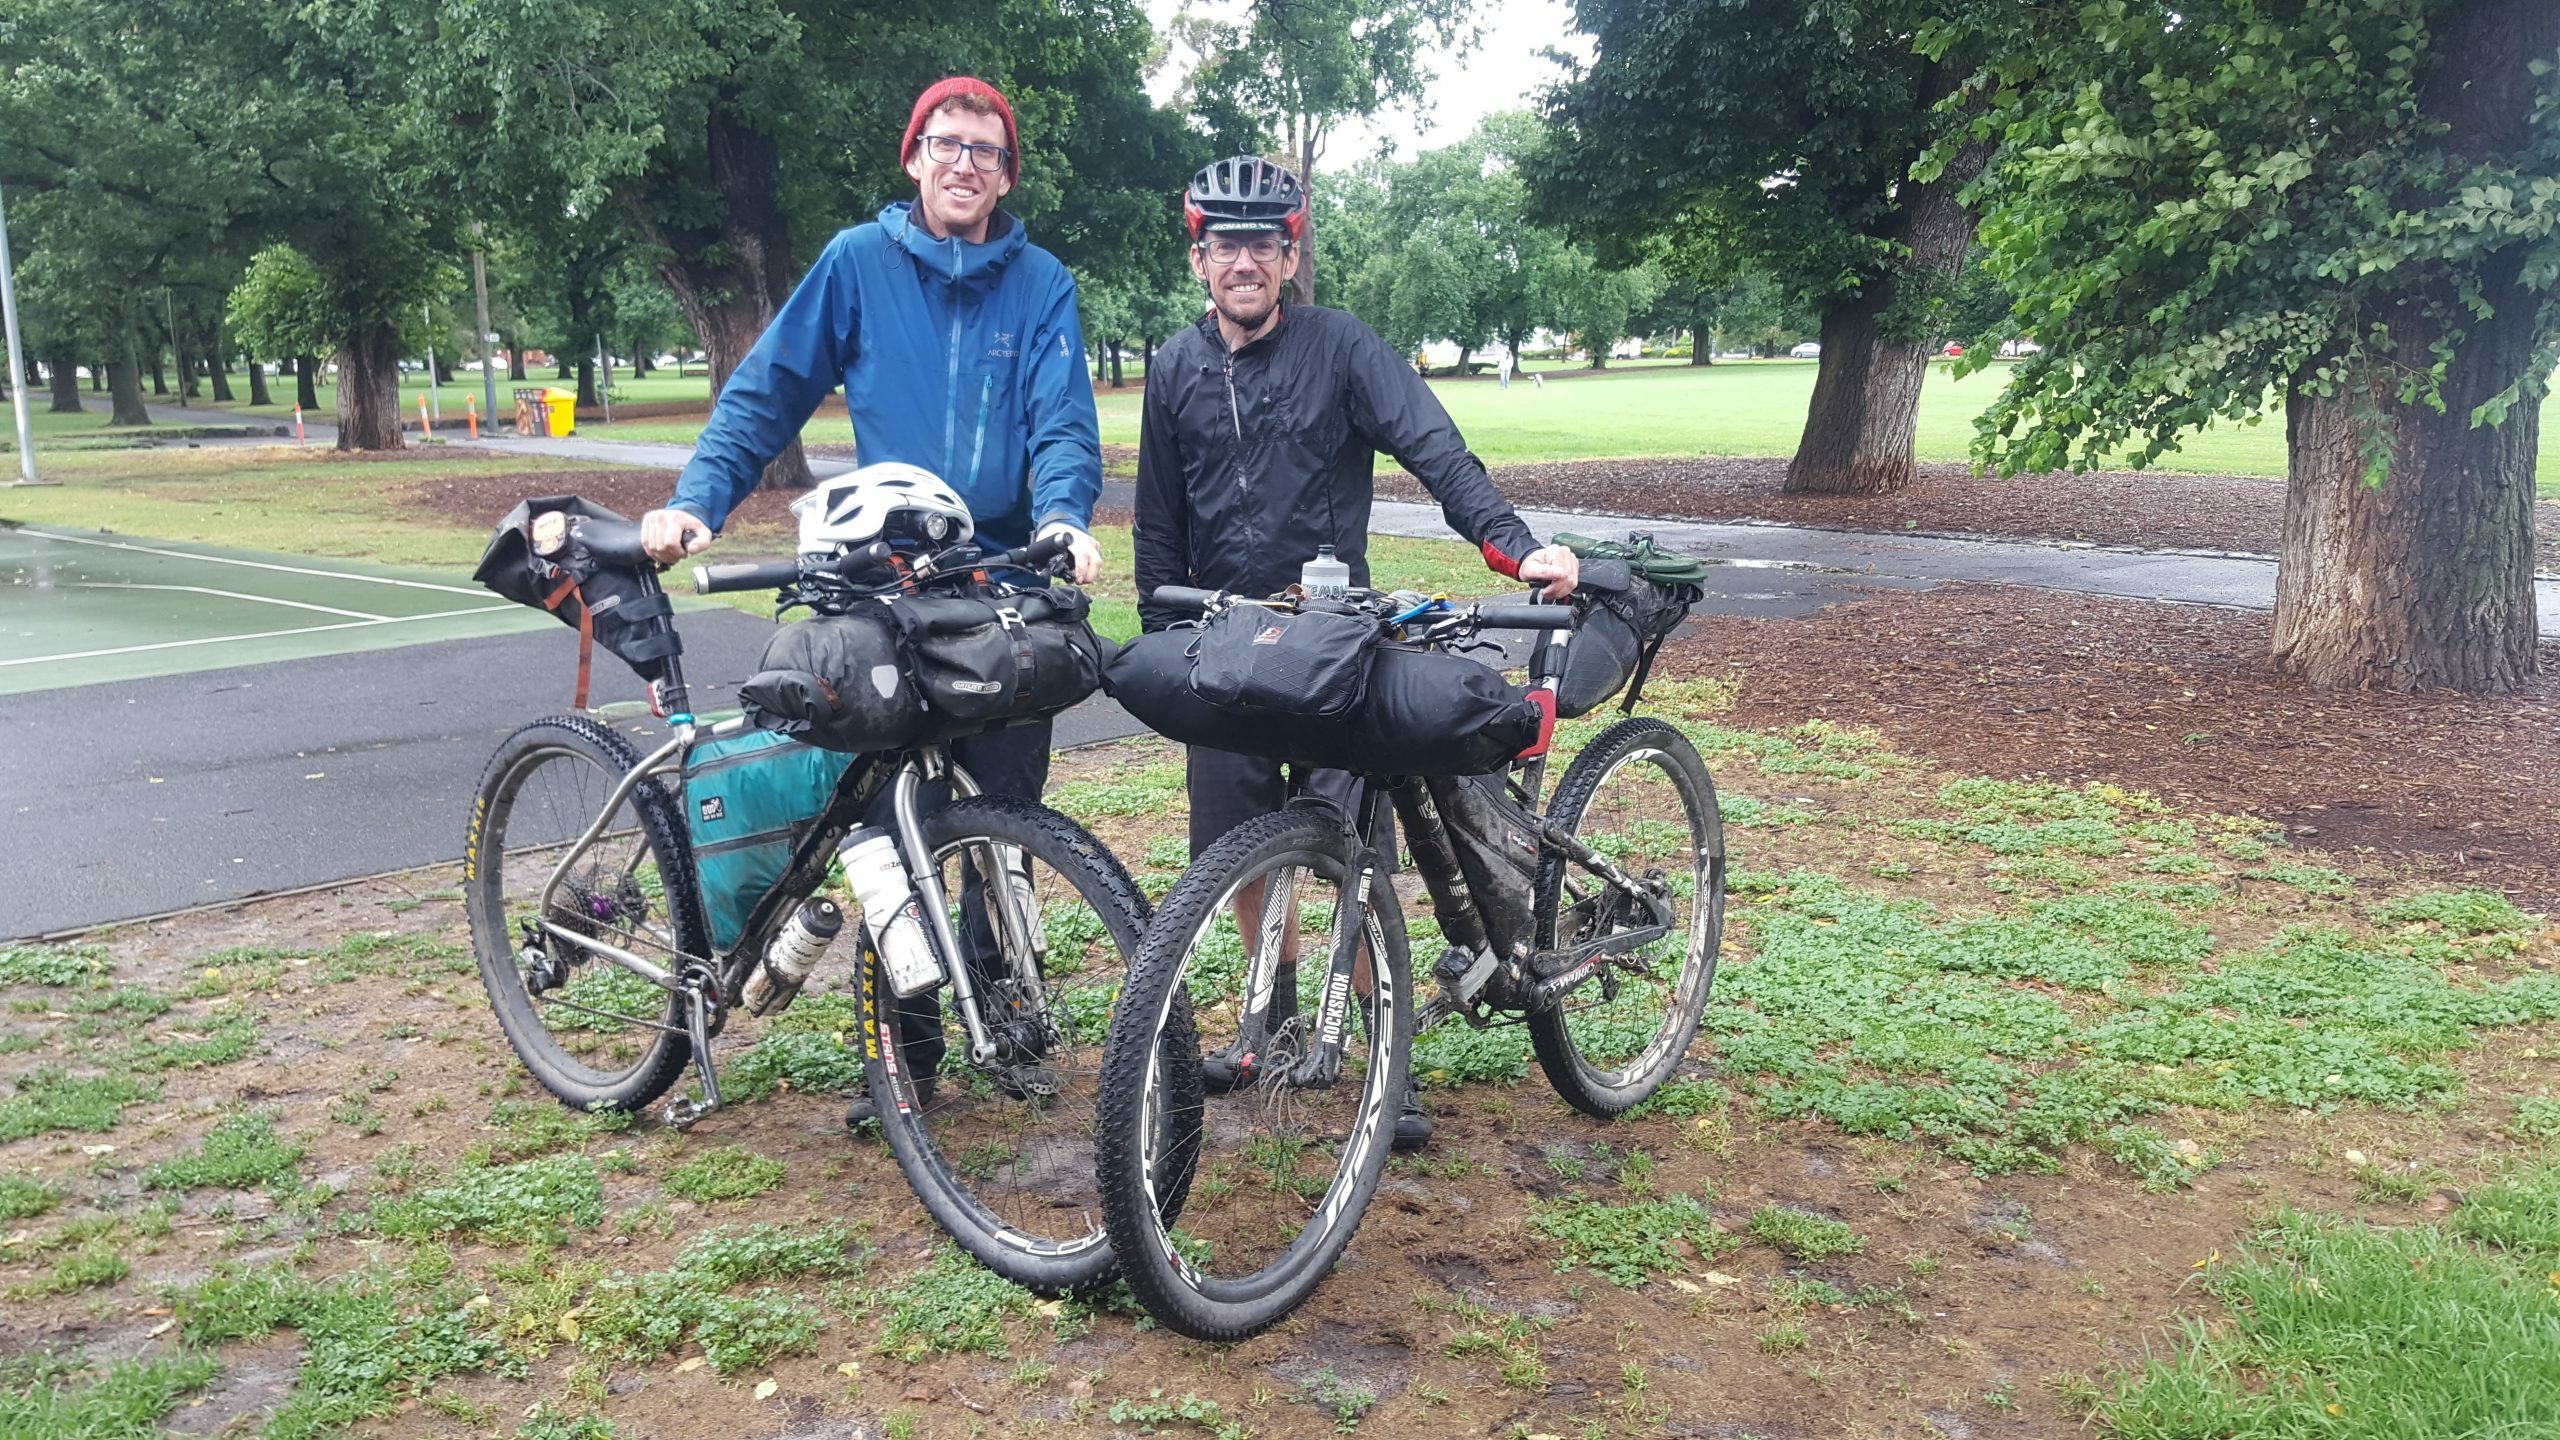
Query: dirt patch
x=2179, y=699
x=2152, y=509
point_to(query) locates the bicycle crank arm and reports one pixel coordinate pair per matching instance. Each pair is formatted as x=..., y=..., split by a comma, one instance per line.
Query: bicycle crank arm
x=680, y=1113
x=1583, y=962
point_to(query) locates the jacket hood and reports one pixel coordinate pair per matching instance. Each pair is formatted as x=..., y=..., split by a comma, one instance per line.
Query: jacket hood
x=954, y=260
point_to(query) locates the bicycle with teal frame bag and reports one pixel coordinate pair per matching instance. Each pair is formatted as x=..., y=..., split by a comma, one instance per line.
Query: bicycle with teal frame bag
x=626, y=908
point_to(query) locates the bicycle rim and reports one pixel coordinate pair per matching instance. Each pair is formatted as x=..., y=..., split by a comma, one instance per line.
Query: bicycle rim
x=1003, y=1151
x=592, y=1031
x=1279, y=1171
x=1642, y=800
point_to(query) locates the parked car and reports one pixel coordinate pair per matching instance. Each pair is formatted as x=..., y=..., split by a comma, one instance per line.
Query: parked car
x=1953, y=350
x=1809, y=350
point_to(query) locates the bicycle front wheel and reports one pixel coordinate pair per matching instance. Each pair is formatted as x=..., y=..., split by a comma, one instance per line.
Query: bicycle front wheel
x=595, y=1034
x=1638, y=795
x=1001, y=1153
x=1281, y=1164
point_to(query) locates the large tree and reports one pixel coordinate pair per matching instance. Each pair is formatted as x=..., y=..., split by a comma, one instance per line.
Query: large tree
x=2349, y=207
x=1782, y=136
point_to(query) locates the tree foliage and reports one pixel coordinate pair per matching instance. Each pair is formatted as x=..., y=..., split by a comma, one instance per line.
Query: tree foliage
x=2194, y=216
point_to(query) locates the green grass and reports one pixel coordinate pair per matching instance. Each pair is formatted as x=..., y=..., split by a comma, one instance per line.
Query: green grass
x=815, y=1046
x=634, y=1317
x=2340, y=1329
x=952, y=1306
x=1630, y=1243
x=50, y=1099
x=729, y=1172
x=238, y=1154
x=23, y=1197
x=368, y=1339
x=94, y=1263
x=526, y=1201
x=56, y=965
x=123, y=1401
x=1802, y=1235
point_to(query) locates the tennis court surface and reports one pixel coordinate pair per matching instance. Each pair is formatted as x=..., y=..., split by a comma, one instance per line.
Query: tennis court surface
x=79, y=607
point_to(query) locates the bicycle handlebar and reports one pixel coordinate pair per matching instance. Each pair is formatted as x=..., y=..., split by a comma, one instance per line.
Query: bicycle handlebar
x=774, y=574
x=1524, y=617
x=1183, y=597
x=1038, y=555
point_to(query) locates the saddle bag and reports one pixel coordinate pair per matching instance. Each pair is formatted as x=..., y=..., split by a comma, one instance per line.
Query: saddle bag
x=534, y=559
x=838, y=682
x=748, y=800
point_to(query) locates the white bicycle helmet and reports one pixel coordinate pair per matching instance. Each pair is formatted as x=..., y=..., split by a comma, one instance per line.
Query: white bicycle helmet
x=891, y=502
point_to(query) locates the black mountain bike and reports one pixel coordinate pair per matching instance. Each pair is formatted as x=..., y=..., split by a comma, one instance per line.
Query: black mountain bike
x=588, y=921
x=1286, y=944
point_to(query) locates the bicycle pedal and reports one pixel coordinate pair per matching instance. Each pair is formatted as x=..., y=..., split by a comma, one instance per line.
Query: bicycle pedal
x=680, y=1115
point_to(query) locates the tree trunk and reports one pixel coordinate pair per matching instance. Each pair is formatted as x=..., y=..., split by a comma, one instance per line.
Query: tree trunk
x=1147, y=357
x=515, y=363
x=159, y=371
x=66, y=384
x=1463, y=353
x=124, y=377
x=221, y=366
x=639, y=362
x=97, y=376
x=1859, y=431
x=443, y=368
x=566, y=369
x=2425, y=580
x=731, y=275
x=186, y=358
x=1302, y=286
x=258, y=382
x=369, y=390
x=1599, y=357
x=587, y=381
x=1702, y=345
x=1116, y=381
x=306, y=389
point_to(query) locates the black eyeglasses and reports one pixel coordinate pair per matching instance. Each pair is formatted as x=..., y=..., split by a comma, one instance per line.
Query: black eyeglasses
x=943, y=150
x=1226, y=251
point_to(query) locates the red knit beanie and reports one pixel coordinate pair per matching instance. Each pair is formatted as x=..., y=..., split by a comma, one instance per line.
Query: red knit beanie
x=941, y=90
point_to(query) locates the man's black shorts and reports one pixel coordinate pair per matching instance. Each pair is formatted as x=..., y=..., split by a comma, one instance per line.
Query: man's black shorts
x=1228, y=789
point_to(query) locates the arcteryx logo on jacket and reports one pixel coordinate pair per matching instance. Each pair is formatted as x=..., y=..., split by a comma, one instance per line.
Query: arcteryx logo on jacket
x=965, y=359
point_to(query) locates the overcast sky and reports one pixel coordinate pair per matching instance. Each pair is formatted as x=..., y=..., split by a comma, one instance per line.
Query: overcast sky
x=1501, y=73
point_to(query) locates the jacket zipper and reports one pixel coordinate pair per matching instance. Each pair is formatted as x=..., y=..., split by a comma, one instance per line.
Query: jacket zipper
x=951, y=384
x=1232, y=412
x=978, y=449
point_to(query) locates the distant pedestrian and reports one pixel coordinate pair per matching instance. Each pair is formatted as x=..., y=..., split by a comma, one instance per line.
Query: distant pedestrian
x=1538, y=379
x=1502, y=368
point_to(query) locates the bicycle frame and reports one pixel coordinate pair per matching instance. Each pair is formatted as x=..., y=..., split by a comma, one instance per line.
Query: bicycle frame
x=710, y=984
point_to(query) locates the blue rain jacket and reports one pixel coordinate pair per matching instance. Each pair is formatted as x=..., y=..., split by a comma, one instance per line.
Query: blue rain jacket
x=965, y=359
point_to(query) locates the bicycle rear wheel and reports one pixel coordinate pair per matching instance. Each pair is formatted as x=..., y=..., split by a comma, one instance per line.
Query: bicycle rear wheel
x=1279, y=1171
x=594, y=1034
x=1001, y=1154
x=1639, y=795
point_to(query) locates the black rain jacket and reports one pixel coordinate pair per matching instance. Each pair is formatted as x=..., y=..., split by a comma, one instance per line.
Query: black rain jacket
x=1248, y=462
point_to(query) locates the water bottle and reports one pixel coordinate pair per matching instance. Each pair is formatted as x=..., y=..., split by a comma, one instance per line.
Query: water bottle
x=793, y=954
x=1325, y=576
x=879, y=882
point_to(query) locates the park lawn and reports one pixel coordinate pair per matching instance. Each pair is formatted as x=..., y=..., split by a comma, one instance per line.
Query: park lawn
x=311, y=501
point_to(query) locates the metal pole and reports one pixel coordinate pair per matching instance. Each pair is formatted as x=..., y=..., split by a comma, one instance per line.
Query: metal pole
x=480, y=294
x=17, y=362
x=435, y=397
x=169, y=317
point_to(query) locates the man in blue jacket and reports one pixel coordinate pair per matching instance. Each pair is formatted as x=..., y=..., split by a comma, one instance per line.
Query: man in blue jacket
x=958, y=347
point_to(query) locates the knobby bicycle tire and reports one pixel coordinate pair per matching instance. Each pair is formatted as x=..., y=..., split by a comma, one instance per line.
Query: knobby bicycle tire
x=1069, y=1258
x=660, y=823
x=1139, y=1076
x=1586, y=1086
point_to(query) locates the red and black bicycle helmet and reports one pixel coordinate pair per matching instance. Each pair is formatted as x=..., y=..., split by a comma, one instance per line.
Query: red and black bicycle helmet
x=1246, y=192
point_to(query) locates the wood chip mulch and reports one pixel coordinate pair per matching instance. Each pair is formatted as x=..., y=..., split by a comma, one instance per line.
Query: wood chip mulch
x=2176, y=699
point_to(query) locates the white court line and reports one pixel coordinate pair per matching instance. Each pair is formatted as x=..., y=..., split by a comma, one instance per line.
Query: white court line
x=260, y=635
x=225, y=594
x=252, y=564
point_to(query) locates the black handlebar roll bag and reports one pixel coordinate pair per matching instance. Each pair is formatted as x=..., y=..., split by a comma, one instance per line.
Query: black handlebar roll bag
x=1273, y=662
x=1421, y=712
x=534, y=558
x=924, y=669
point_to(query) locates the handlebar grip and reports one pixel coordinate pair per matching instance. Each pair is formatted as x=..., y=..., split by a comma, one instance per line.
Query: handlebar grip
x=1182, y=597
x=1525, y=617
x=744, y=575
x=1038, y=555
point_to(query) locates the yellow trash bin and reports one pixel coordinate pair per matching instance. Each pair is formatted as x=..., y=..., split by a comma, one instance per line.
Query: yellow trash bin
x=560, y=411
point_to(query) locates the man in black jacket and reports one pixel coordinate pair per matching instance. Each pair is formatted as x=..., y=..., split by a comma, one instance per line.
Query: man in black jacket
x=1259, y=442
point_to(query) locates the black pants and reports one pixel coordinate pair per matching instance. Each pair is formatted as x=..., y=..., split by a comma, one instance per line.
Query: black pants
x=1012, y=761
